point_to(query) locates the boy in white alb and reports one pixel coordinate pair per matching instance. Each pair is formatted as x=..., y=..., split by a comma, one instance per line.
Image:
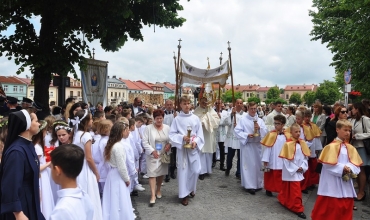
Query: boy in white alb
x=73, y=203
x=273, y=143
x=188, y=159
x=295, y=153
x=341, y=162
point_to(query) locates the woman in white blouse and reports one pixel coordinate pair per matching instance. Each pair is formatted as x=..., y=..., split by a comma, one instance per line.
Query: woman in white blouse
x=156, y=144
x=116, y=195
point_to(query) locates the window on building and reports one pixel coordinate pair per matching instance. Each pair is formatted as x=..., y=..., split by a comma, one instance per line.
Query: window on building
x=20, y=88
x=71, y=94
x=15, y=88
x=258, y=95
x=78, y=93
x=111, y=94
x=264, y=95
x=119, y=94
x=123, y=94
x=51, y=94
x=287, y=96
x=5, y=88
x=31, y=93
x=247, y=94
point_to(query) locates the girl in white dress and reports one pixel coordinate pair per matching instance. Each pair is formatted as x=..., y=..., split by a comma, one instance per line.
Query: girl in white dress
x=89, y=176
x=116, y=196
x=46, y=194
x=104, y=128
x=61, y=134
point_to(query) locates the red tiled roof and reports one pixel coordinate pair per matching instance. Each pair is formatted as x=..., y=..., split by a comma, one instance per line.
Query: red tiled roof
x=170, y=85
x=11, y=80
x=241, y=88
x=142, y=85
x=312, y=87
x=263, y=89
x=29, y=81
x=130, y=85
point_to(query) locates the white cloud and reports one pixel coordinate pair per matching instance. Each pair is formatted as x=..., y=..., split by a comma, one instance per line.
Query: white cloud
x=270, y=44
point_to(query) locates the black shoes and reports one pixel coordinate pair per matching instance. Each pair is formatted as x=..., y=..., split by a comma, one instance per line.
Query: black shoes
x=238, y=177
x=251, y=191
x=134, y=193
x=213, y=164
x=305, y=191
x=227, y=172
x=167, y=179
x=201, y=176
x=301, y=215
x=172, y=173
x=222, y=168
x=268, y=193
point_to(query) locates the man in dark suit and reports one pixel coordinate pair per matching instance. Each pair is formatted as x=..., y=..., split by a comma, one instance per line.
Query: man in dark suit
x=26, y=103
x=136, y=108
x=12, y=104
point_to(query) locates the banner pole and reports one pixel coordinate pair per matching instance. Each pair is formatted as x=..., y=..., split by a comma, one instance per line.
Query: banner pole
x=232, y=79
x=177, y=77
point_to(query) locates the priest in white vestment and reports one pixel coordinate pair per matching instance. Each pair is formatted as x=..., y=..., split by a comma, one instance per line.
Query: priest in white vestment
x=270, y=117
x=210, y=122
x=250, y=148
x=188, y=160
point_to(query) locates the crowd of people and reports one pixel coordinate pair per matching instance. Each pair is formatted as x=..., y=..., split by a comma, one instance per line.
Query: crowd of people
x=86, y=162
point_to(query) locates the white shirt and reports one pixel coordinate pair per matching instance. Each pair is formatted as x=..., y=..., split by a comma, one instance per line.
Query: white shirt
x=271, y=154
x=73, y=204
x=290, y=167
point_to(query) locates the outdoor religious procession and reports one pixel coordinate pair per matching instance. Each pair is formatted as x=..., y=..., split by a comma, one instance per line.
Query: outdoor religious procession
x=222, y=115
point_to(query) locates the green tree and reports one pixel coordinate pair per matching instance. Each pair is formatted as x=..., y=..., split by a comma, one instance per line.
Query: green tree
x=309, y=97
x=343, y=26
x=295, y=98
x=328, y=92
x=228, y=96
x=66, y=26
x=254, y=99
x=273, y=93
x=171, y=97
x=282, y=91
x=268, y=101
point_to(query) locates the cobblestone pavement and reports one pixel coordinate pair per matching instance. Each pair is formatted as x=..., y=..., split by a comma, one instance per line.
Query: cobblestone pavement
x=221, y=197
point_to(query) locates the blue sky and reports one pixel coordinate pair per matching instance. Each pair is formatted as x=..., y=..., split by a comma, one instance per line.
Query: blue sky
x=269, y=39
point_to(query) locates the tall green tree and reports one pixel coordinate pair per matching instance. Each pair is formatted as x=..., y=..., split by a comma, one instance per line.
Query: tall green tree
x=295, y=98
x=228, y=96
x=273, y=93
x=328, y=92
x=309, y=97
x=254, y=99
x=343, y=26
x=67, y=25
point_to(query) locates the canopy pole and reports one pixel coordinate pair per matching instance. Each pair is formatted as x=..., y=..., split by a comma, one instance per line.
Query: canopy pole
x=232, y=80
x=177, y=76
x=219, y=86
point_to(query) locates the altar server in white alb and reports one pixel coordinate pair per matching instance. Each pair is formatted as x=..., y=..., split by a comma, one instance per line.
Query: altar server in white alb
x=232, y=141
x=294, y=153
x=210, y=121
x=221, y=133
x=188, y=160
x=73, y=203
x=250, y=130
x=341, y=163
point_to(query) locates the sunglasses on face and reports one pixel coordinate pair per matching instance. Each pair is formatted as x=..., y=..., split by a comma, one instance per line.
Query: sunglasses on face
x=344, y=112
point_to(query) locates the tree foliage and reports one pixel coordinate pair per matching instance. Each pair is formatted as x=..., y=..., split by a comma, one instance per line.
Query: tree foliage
x=268, y=101
x=228, y=96
x=309, y=97
x=328, y=92
x=67, y=26
x=254, y=99
x=343, y=26
x=273, y=93
x=295, y=98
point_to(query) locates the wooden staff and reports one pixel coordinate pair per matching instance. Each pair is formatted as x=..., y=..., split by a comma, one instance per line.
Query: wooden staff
x=232, y=79
x=219, y=86
x=177, y=77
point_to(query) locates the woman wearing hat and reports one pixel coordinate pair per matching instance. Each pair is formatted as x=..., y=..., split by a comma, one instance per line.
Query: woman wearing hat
x=20, y=169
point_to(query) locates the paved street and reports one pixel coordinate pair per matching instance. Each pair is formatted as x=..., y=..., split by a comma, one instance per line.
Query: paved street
x=221, y=197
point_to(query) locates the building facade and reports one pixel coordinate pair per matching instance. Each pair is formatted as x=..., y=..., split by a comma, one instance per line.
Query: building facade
x=14, y=86
x=117, y=91
x=300, y=89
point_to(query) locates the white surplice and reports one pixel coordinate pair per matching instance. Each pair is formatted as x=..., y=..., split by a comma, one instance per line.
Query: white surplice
x=331, y=183
x=270, y=120
x=222, y=128
x=231, y=138
x=290, y=167
x=271, y=154
x=250, y=151
x=188, y=160
x=73, y=204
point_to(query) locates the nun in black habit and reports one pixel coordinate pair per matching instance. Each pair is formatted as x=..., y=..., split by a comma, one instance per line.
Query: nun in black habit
x=20, y=168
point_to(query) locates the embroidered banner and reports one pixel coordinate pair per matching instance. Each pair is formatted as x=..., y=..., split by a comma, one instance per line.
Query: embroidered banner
x=94, y=82
x=193, y=75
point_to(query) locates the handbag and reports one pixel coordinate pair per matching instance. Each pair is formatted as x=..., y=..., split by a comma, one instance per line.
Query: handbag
x=165, y=158
x=366, y=141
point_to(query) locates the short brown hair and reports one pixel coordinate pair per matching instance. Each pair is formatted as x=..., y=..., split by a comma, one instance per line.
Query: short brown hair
x=184, y=99
x=280, y=118
x=157, y=113
x=307, y=113
x=104, y=127
x=343, y=123
x=251, y=104
x=295, y=125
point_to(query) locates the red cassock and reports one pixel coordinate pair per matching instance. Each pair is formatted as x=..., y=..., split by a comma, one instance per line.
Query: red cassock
x=306, y=181
x=330, y=208
x=290, y=196
x=314, y=176
x=273, y=180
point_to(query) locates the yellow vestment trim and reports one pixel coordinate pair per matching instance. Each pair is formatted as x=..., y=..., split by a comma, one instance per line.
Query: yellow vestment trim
x=330, y=153
x=288, y=150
